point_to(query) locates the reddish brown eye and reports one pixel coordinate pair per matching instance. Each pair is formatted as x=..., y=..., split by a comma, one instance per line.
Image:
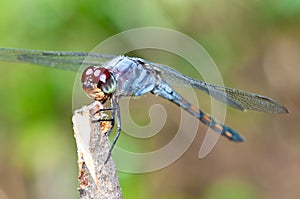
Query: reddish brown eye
x=102, y=75
x=87, y=78
x=98, y=77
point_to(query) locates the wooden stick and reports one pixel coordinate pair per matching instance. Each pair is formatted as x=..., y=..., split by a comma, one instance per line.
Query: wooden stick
x=96, y=180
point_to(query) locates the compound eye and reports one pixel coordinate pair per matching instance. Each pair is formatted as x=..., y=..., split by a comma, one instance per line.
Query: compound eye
x=106, y=80
x=99, y=77
x=88, y=78
x=102, y=75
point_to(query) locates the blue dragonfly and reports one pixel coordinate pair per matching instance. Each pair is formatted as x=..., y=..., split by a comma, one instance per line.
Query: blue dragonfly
x=110, y=77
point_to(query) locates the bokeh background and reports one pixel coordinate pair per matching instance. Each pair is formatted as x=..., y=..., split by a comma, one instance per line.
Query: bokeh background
x=256, y=46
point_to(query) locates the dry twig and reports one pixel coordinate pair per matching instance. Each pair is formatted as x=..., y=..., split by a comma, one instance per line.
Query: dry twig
x=96, y=180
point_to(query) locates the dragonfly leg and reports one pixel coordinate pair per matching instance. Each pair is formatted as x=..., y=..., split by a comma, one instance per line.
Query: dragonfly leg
x=112, y=119
x=105, y=109
x=115, y=104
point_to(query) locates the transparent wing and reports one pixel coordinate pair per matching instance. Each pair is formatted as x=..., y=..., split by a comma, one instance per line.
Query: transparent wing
x=72, y=60
x=238, y=99
x=54, y=59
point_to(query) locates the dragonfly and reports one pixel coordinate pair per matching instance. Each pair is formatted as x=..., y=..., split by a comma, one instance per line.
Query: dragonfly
x=111, y=77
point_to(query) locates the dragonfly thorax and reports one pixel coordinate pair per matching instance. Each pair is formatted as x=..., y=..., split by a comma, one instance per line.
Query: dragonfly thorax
x=98, y=83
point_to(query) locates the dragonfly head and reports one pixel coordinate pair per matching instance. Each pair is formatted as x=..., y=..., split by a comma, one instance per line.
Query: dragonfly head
x=98, y=83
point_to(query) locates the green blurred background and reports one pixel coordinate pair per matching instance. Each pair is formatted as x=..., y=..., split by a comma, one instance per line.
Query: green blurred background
x=256, y=45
